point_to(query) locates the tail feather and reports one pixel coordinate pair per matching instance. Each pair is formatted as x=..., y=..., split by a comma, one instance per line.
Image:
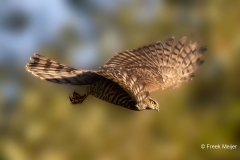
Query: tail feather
x=53, y=71
x=39, y=60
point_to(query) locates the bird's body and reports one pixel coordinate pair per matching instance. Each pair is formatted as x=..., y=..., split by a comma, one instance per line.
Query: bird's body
x=108, y=91
x=129, y=76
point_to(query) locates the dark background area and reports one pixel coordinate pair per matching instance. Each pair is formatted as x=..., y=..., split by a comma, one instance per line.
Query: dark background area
x=37, y=120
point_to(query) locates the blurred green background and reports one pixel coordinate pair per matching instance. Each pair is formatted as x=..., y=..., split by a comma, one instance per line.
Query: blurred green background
x=37, y=120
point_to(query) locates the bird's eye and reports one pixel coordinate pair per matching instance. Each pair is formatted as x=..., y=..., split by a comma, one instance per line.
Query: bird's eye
x=152, y=102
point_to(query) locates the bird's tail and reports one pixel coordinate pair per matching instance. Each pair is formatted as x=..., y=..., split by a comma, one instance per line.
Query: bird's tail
x=52, y=71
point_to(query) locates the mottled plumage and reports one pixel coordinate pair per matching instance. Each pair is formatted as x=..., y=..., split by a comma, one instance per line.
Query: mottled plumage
x=129, y=76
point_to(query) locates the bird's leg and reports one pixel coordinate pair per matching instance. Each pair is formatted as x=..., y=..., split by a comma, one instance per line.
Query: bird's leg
x=76, y=98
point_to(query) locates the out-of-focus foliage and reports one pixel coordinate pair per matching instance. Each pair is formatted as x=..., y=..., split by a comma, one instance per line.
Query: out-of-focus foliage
x=37, y=120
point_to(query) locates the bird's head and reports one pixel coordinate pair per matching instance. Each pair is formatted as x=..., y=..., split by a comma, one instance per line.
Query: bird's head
x=152, y=104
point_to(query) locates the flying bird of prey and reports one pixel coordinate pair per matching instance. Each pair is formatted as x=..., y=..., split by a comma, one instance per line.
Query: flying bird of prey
x=129, y=76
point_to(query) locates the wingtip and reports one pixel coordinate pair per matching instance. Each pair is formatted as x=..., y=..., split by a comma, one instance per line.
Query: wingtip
x=171, y=39
x=201, y=62
x=203, y=49
x=184, y=38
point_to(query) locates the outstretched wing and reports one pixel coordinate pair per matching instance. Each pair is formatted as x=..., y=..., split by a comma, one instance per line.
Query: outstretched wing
x=52, y=71
x=161, y=65
x=130, y=83
x=151, y=55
